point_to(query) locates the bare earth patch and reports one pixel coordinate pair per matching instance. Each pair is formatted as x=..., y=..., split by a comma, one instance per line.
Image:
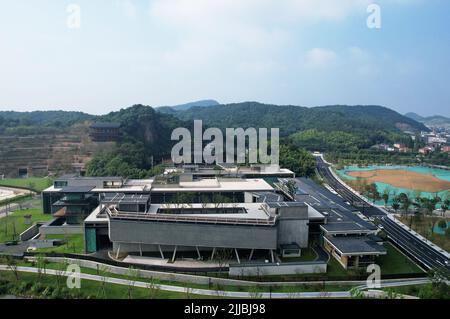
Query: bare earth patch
x=403, y=179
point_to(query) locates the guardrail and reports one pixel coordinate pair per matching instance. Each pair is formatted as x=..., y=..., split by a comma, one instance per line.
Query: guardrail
x=127, y=265
x=207, y=271
x=115, y=214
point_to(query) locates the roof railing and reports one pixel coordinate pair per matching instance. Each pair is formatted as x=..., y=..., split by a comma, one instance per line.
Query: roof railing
x=115, y=214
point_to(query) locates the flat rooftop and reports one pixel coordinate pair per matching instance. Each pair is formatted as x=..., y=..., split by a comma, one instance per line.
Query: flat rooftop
x=341, y=217
x=356, y=245
x=217, y=185
x=242, y=213
x=265, y=197
x=344, y=227
x=247, y=210
x=201, y=185
x=122, y=198
x=286, y=204
x=76, y=189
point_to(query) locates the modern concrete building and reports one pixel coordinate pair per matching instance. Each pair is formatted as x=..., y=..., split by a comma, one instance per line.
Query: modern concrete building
x=190, y=213
x=241, y=227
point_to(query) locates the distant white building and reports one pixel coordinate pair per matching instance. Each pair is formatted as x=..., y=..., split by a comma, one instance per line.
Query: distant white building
x=436, y=140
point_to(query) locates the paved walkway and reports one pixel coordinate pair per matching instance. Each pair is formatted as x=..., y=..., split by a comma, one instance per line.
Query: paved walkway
x=154, y=261
x=213, y=293
x=9, y=209
x=322, y=255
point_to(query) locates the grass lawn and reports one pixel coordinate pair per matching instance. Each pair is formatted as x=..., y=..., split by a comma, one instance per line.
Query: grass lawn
x=335, y=269
x=38, y=184
x=288, y=289
x=14, y=224
x=427, y=291
x=74, y=244
x=396, y=262
x=92, y=289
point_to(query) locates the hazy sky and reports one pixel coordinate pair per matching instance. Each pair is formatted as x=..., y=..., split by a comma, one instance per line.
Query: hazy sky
x=165, y=52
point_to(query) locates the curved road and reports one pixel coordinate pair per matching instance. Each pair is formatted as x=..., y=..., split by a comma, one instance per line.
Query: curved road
x=416, y=248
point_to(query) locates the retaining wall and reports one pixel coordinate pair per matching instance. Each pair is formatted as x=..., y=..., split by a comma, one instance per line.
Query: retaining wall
x=249, y=270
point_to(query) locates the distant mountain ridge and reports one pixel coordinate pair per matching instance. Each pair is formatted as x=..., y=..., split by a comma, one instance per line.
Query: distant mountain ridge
x=290, y=118
x=146, y=131
x=430, y=121
x=187, y=106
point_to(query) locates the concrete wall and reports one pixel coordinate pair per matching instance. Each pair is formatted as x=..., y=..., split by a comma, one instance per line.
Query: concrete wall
x=182, y=278
x=293, y=231
x=85, y=182
x=293, y=225
x=30, y=232
x=191, y=234
x=256, y=270
x=166, y=249
x=38, y=243
x=175, y=277
x=61, y=230
x=330, y=249
x=248, y=197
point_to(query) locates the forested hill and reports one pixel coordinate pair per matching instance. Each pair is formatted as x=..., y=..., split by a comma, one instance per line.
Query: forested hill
x=39, y=122
x=336, y=128
x=146, y=141
x=291, y=119
x=145, y=137
x=45, y=117
x=142, y=125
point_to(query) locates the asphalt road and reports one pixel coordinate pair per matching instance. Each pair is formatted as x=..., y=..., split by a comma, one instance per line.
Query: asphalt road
x=417, y=249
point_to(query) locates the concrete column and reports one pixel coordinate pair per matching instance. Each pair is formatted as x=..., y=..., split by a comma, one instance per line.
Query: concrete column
x=118, y=252
x=174, y=254
x=213, y=252
x=140, y=249
x=271, y=256
x=198, y=253
x=237, y=256
x=251, y=255
x=161, y=252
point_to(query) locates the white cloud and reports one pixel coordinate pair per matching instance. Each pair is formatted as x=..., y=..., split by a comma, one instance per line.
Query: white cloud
x=198, y=13
x=319, y=58
x=363, y=62
x=128, y=7
x=237, y=35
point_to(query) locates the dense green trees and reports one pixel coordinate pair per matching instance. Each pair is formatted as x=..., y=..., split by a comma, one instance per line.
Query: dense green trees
x=301, y=162
x=422, y=205
x=364, y=157
x=291, y=119
x=145, y=141
x=341, y=141
x=39, y=122
x=342, y=132
x=110, y=164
